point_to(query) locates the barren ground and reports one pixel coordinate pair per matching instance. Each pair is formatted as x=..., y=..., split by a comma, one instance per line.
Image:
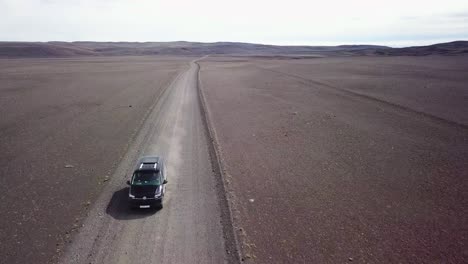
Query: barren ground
x=344, y=159
x=59, y=112
x=326, y=160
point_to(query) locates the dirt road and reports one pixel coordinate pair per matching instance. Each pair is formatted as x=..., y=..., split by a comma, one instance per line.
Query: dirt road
x=188, y=229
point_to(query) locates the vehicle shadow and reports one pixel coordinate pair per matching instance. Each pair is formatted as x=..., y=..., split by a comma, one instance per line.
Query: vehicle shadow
x=119, y=208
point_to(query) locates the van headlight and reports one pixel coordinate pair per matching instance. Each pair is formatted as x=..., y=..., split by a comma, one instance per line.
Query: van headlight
x=158, y=193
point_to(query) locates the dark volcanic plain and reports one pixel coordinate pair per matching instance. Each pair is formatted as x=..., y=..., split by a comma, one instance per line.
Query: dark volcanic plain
x=65, y=124
x=333, y=160
x=325, y=160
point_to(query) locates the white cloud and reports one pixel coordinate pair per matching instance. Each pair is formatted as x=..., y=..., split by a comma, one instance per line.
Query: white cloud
x=291, y=22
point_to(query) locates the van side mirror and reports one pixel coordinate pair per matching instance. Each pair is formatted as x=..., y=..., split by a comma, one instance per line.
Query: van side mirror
x=165, y=182
x=128, y=183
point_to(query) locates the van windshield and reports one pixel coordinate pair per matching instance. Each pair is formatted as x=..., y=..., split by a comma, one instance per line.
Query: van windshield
x=146, y=178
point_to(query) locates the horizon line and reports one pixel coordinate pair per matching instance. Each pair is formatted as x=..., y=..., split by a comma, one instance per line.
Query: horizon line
x=323, y=44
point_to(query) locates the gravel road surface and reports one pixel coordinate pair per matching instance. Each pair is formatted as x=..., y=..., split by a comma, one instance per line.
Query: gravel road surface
x=188, y=229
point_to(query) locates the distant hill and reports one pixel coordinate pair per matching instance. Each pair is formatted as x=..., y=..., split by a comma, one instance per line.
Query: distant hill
x=219, y=48
x=84, y=48
x=38, y=49
x=449, y=48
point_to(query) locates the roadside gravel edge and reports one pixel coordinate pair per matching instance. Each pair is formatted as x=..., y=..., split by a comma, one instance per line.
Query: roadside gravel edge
x=232, y=243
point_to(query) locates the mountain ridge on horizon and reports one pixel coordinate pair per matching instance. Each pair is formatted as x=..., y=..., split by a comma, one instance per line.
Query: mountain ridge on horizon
x=15, y=49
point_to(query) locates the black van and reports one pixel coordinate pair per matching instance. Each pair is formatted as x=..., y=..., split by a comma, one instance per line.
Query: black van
x=148, y=183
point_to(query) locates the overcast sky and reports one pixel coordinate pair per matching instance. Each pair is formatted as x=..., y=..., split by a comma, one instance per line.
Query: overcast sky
x=296, y=22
